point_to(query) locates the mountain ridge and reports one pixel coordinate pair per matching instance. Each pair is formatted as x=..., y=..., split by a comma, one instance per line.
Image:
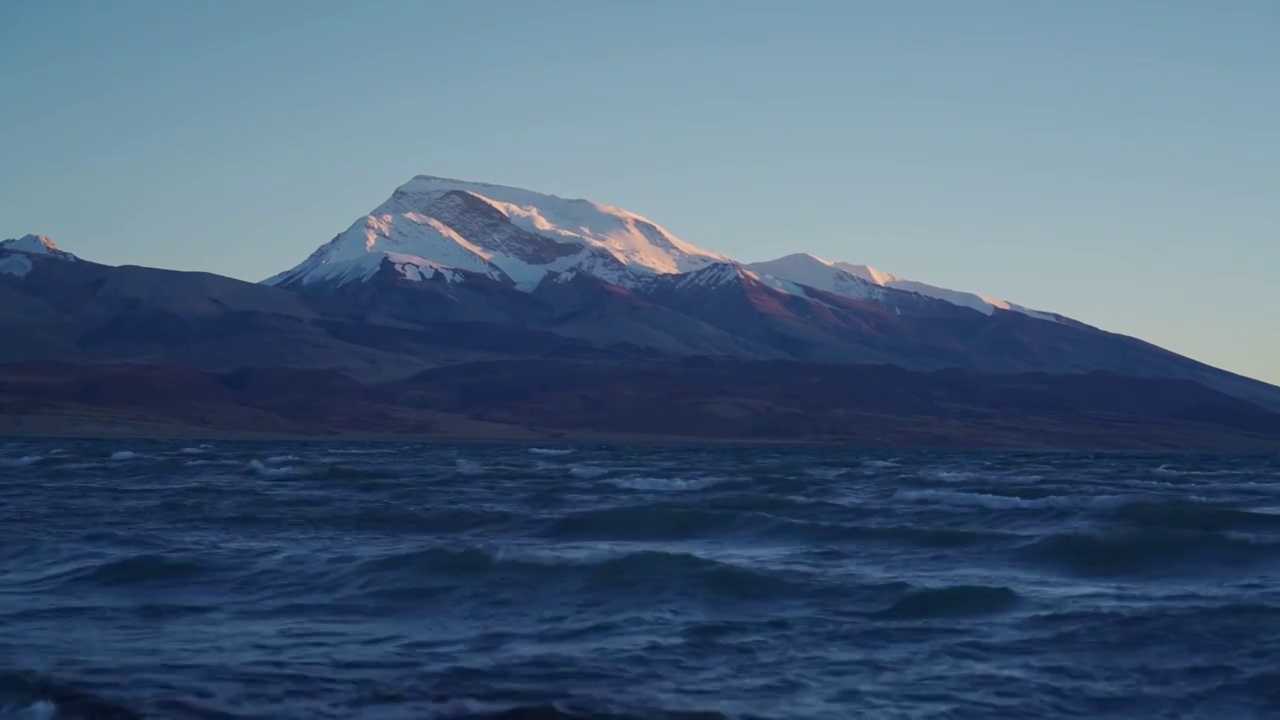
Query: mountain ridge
x=447, y=271
x=516, y=235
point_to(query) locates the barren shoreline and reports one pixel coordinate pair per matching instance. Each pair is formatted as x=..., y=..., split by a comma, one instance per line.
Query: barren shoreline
x=534, y=438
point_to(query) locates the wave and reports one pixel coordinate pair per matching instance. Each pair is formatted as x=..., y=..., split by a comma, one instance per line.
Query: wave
x=880, y=464
x=346, y=472
x=552, y=451
x=474, y=709
x=21, y=462
x=274, y=467
x=644, y=522
x=826, y=473
x=587, y=472
x=124, y=455
x=663, y=484
x=38, y=710
x=755, y=521
x=950, y=602
x=933, y=537
x=648, y=570
x=950, y=476
x=210, y=463
x=1012, y=502
x=257, y=467
x=362, y=451
x=431, y=560
x=641, y=570
x=1197, y=516
x=27, y=696
x=138, y=569
x=1265, y=487
x=282, y=459
x=81, y=466
x=469, y=467
x=1148, y=551
x=1174, y=472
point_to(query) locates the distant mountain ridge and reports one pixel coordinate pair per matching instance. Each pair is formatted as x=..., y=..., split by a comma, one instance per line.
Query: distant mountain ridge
x=859, y=282
x=440, y=227
x=448, y=271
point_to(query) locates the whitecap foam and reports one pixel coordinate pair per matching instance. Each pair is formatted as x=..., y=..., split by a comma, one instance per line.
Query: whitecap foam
x=18, y=462
x=204, y=463
x=552, y=451
x=38, y=710
x=469, y=467
x=587, y=472
x=1167, y=469
x=281, y=459
x=949, y=475
x=259, y=468
x=82, y=465
x=663, y=484
x=880, y=464
x=123, y=455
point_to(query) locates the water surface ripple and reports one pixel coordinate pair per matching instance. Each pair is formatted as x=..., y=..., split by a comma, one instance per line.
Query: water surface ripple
x=388, y=581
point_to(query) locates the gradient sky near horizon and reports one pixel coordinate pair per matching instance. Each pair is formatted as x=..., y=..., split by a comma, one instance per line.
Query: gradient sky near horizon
x=1118, y=162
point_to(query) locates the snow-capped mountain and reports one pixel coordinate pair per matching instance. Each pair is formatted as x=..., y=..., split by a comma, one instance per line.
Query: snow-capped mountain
x=16, y=254
x=449, y=271
x=809, y=271
x=36, y=245
x=433, y=226
x=862, y=282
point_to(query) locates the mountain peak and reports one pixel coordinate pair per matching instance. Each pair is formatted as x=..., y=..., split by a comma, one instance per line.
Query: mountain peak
x=811, y=271
x=723, y=273
x=36, y=245
x=805, y=258
x=868, y=273
x=865, y=282
x=513, y=235
x=521, y=237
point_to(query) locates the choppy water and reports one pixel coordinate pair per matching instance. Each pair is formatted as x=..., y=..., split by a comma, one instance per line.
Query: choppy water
x=375, y=581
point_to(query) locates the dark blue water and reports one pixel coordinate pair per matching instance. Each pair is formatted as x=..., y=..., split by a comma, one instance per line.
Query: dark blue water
x=374, y=581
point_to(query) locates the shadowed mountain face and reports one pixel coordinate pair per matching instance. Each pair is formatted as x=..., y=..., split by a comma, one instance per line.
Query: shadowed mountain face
x=82, y=312
x=782, y=399
x=447, y=272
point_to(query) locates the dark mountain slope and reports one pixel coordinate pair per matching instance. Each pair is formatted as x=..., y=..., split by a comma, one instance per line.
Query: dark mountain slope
x=788, y=399
x=691, y=399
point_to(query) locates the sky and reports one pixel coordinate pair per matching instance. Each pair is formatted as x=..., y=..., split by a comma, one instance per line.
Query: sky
x=1117, y=162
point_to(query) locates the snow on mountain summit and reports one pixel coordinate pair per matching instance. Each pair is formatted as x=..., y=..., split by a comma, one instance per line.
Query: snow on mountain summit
x=16, y=254
x=633, y=239
x=434, y=228
x=509, y=234
x=862, y=282
x=819, y=274
x=36, y=245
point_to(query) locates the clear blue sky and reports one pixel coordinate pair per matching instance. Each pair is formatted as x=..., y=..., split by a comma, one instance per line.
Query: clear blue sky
x=1114, y=161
